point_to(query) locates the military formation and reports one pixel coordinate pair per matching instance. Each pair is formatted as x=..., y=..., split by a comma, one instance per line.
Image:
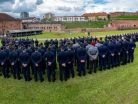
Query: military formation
x=31, y=60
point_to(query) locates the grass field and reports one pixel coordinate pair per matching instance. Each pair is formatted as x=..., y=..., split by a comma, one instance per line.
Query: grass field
x=116, y=86
x=98, y=24
x=48, y=35
x=127, y=17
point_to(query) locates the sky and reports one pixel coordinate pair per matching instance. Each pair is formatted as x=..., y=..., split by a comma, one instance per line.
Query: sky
x=38, y=8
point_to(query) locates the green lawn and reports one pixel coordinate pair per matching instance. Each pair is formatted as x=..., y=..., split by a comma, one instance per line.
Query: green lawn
x=48, y=35
x=127, y=17
x=98, y=24
x=116, y=86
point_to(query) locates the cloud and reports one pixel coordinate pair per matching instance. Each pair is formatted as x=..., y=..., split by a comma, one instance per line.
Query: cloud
x=100, y=1
x=2, y=1
x=65, y=7
x=39, y=2
x=24, y=5
x=7, y=8
x=113, y=5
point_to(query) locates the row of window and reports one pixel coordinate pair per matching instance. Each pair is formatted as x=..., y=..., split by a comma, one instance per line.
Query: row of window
x=128, y=25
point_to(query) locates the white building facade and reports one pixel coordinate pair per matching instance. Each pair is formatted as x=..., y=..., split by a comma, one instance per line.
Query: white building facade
x=69, y=18
x=30, y=20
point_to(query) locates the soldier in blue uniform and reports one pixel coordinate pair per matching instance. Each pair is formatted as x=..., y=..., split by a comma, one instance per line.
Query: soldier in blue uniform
x=111, y=61
x=118, y=47
x=42, y=51
x=24, y=59
x=13, y=58
x=4, y=65
x=19, y=50
x=70, y=61
x=132, y=47
x=81, y=58
x=7, y=50
x=103, y=55
x=62, y=59
x=50, y=59
x=30, y=50
x=125, y=51
x=53, y=49
x=36, y=58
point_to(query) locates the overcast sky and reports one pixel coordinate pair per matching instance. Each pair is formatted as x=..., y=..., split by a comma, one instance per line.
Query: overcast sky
x=65, y=7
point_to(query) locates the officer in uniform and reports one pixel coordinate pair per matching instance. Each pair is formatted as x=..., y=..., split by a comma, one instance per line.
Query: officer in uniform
x=75, y=47
x=81, y=58
x=111, y=57
x=24, y=59
x=36, y=58
x=62, y=59
x=132, y=47
x=30, y=51
x=88, y=61
x=125, y=52
x=50, y=59
x=93, y=56
x=70, y=61
x=19, y=50
x=118, y=47
x=13, y=58
x=53, y=49
x=3, y=58
x=103, y=55
x=42, y=51
x=7, y=50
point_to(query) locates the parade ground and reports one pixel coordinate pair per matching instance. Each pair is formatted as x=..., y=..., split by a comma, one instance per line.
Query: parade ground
x=54, y=35
x=116, y=86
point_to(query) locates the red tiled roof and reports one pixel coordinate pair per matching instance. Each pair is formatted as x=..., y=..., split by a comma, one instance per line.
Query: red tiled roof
x=6, y=17
x=95, y=14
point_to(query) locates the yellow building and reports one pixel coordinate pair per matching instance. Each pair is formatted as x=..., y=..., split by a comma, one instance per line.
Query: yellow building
x=96, y=16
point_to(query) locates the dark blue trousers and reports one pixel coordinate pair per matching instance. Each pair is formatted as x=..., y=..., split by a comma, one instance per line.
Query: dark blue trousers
x=15, y=71
x=102, y=63
x=81, y=69
x=70, y=70
x=26, y=73
x=63, y=73
x=51, y=73
x=38, y=71
x=5, y=71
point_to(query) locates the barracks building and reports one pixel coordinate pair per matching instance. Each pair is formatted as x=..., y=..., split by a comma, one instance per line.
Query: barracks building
x=8, y=23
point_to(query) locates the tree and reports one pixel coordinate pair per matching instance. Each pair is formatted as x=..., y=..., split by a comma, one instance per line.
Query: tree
x=109, y=17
